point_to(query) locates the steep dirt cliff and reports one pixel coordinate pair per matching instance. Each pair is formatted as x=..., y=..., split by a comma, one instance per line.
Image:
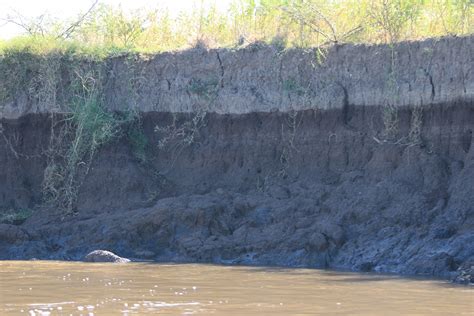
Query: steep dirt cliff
x=358, y=158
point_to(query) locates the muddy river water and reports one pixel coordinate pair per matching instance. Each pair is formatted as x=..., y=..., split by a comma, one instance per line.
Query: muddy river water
x=68, y=288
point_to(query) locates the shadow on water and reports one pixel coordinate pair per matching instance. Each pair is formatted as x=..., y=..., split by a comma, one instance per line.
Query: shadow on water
x=337, y=276
x=345, y=276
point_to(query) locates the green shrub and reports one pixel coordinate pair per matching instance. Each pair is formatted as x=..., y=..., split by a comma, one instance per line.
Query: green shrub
x=84, y=129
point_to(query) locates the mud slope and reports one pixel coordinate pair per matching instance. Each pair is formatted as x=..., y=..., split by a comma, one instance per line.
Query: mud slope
x=362, y=162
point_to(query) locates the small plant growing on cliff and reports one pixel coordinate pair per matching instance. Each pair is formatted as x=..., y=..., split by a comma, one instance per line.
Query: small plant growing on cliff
x=138, y=141
x=86, y=128
x=414, y=136
x=292, y=86
x=182, y=133
x=16, y=69
x=389, y=108
x=320, y=55
x=178, y=135
x=293, y=122
x=390, y=120
x=204, y=88
x=15, y=217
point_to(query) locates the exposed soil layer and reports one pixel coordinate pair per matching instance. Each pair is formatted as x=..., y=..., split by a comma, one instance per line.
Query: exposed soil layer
x=256, y=78
x=253, y=181
x=259, y=189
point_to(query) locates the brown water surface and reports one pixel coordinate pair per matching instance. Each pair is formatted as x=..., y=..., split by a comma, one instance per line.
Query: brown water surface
x=65, y=288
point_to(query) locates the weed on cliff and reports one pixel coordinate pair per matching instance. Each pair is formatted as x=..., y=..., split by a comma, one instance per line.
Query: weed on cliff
x=390, y=115
x=206, y=89
x=86, y=127
x=389, y=108
x=15, y=217
x=180, y=133
x=17, y=70
x=80, y=123
x=292, y=86
x=414, y=135
x=138, y=140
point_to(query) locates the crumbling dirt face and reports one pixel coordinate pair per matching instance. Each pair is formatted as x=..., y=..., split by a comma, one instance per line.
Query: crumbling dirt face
x=247, y=191
x=319, y=186
x=260, y=78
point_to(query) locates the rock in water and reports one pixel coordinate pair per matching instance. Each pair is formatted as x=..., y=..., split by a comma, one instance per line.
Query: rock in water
x=104, y=256
x=465, y=274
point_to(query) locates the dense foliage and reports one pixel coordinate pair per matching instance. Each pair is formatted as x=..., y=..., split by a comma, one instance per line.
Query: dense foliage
x=302, y=23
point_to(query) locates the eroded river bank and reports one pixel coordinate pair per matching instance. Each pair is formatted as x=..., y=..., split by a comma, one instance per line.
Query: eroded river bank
x=250, y=156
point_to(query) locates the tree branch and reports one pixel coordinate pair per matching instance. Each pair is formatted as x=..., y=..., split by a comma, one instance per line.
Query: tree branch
x=66, y=33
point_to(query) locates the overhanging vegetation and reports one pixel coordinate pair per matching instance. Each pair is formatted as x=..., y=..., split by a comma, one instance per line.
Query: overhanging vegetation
x=106, y=30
